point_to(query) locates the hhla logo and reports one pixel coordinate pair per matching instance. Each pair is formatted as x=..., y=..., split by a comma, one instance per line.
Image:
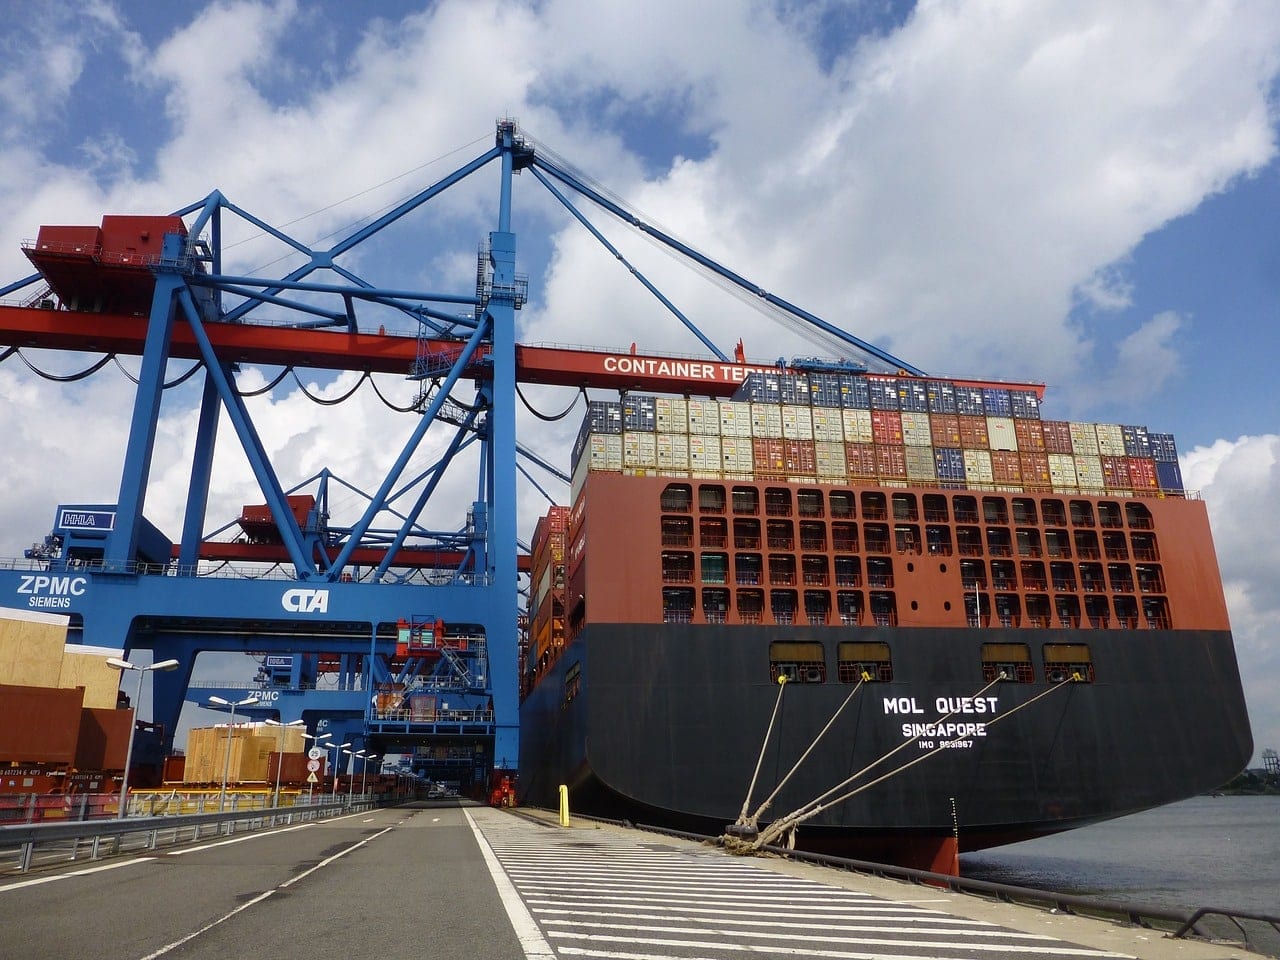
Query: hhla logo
x=305, y=601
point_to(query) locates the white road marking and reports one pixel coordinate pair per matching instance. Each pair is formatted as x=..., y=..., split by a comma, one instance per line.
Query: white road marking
x=73, y=873
x=239, y=839
x=531, y=940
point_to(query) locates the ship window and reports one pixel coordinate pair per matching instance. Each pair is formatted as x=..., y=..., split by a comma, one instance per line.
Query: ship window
x=1114, y=546
x=711, y=498
x=1024, y=510
x=748, y=568
x=713, y=531
x=1156, y=610
x=966, y=509
x=1028, y=542
x=1054, y=512
x=879, y=572
x=1063, y=575
x=813, y=535
x=841, y=503
x=1109, y=514
x=1068, y=611
x=751, y=606
x=844, y=536
x=782, y=604
x=780, y=534
x=1057, y=543
x=1091, y=578
x=873, y=506
x=572, y=682
x=939, y=539
x=969, y=541
x=809, y=503
x=799, y=662
x=715, y=567
x=876, y=537
x=1121, y=577
x=1033, y=575
x=677, y=567
x=1002, y=575
x=746, y=500
x=995, y=510
x=1011, y=659
x=999, y=543
x=977, y=609
x=715, y=604
x=884, y=609
x=1139, y=516
x=1081, y=513
x=782, y=568
x=935, y=508
x=1008, y=610
x=906, y=538
x=677, y=496
x=817, y=607
x=677, y=531
x=746, y=533
x=1098, y=611
x=1150, y=579
x=849, y=607
x=904, y=506
x=814, y=570
x=870, y=662
x=1087, y=545
x=677, y=604
x=973, y=574
x=777, y=501
x=1037, y=610
x=1126, y=613
x=1066, y=661
x=1144, y=547
x=848, y=572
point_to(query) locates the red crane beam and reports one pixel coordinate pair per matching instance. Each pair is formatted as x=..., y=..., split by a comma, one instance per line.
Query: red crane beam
x=418, y=557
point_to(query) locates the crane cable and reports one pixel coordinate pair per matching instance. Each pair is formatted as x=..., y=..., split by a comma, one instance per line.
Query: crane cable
x=582, y=392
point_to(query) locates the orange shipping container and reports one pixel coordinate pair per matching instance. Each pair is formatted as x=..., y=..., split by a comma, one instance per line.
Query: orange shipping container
x=973, y=433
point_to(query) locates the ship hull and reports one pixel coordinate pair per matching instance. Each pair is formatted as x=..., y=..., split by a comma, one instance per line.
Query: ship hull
x=664, y=724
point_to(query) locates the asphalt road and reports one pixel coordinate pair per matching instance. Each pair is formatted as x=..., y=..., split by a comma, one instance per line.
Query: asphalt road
x=393, y=883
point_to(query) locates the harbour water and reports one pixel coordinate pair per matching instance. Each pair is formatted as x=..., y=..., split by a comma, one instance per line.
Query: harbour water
x=1204, y=852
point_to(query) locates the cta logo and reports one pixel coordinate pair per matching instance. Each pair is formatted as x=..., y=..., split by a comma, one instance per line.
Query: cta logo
x=45, y=592
x=305, y=601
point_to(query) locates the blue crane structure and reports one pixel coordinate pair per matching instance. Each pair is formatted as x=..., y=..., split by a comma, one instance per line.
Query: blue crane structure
x=393, y=635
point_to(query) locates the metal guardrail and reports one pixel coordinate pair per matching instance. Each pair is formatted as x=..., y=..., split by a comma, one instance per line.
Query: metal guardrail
x=22, y=840
x=1175, y=923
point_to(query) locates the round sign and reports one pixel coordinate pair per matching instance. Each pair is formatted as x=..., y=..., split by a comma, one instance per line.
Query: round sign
x=315, y=753
x=313, y=765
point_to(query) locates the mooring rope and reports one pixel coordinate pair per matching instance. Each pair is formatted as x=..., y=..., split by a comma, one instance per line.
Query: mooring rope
x=777, y=704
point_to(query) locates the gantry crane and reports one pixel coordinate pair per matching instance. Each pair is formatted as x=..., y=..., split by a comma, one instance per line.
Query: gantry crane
x=322, y=601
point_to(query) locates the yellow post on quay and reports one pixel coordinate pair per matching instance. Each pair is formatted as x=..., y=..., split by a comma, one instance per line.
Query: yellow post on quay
x=564, y=805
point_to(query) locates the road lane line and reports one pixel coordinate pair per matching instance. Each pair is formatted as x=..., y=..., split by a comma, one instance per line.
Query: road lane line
x=74, y=873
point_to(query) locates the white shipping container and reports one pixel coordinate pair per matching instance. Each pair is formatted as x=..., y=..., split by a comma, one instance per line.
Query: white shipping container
x=704, y=418
x=977, y=466
x=1110, y=439
x=672, y=414
x=828, y=425
x=737, y=455
x=639, y=450
x=921, y=464
x=766, y=421
x=1089, y=472
x=857, y=426
x=830, y=459
x=735, y=418
x=704, y=454
x=1084, y=441
x=797, y=422
x=1000, y=433
x=1062, y=470
x=673, y=451
x=916, y=431
x=544, y=586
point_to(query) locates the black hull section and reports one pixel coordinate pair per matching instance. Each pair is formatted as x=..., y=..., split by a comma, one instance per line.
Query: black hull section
x=666, y=722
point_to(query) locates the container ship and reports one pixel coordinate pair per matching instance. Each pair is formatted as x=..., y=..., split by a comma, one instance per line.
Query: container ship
x=1029, y=610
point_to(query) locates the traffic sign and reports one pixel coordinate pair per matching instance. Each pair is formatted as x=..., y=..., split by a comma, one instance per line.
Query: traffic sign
x=313, y=765
x=315, y=753
x=311, y=778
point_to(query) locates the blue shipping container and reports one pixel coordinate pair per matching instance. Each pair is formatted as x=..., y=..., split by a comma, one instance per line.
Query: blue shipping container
x=950, y=463
x=884, y=394
x=1169, y=475
x=913, y=396
x=855, y=393
x=969, y=402
x=942, y=396
x=996, y=402
x=824, y=389
x=1026, y=405
x=639, y=412
x=1137, y=443
x=795, y=388
x=1163, y=448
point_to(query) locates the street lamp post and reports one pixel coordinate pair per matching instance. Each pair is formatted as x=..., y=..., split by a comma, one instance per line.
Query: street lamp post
x=364, y=771
x=311, y=786
x=337, y=753
x=351, y=782
x=122, y=666
x=280, y=753
x=226, y=765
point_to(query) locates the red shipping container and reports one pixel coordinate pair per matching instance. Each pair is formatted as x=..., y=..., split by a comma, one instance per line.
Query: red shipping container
x=1035, y=471
x=1030, y=436
x=81, y=240
x=768, y=456
x=1142, y=473
x=973, y=433
x=886, y=427
x=292, y=768
x=1006, y=468
x=861, y=460
x=39, y=724
x=175, y=765
x=1115, y=473
x=891, y=462
x=1057, y=436
x=104, y=738
x=946, y=429
x=800, y=457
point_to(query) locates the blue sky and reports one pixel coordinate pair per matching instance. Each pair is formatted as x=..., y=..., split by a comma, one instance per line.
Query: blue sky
x=1080, y=193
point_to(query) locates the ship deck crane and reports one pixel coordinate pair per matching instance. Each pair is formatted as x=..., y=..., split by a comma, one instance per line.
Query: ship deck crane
x=156, y=288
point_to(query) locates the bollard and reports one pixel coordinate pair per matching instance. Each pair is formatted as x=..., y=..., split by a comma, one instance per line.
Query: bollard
x=564, y=805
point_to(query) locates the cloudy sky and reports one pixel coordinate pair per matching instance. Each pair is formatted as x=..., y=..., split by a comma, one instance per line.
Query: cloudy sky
x=1079, y=193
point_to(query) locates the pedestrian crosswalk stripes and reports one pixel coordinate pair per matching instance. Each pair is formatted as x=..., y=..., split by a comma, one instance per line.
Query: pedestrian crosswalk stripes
x=618, y=896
